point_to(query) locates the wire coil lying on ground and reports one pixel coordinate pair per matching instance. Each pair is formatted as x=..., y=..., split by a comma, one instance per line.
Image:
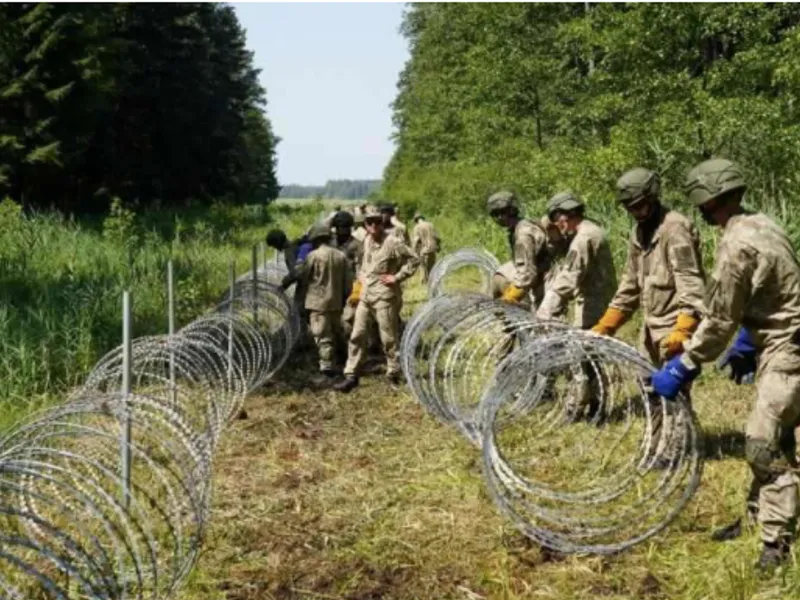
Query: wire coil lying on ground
x=577, y=451
x=476, y=266
x=70, y=524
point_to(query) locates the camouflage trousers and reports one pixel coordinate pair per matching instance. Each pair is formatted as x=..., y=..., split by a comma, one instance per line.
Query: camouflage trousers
x=771, y=446
x=326, y=329
x=386, y=313
x=426, y=262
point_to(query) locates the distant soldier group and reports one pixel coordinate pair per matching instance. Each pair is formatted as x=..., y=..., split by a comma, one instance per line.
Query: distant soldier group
x=348, y=272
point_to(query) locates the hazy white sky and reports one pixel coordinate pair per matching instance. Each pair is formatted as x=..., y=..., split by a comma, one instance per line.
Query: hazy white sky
x=330, y=71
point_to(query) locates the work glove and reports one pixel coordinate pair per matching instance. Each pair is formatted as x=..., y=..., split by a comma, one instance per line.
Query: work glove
x=668, y=381
x=611, y=320
x=512, y=295
x=287, y=281
x=742, y=357
x=355, y=294
x=685, y=325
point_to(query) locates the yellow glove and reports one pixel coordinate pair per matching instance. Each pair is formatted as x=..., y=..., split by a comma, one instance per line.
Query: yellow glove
x=512, y=295
x=611, y=320
x=355, y=293
x=684, y=326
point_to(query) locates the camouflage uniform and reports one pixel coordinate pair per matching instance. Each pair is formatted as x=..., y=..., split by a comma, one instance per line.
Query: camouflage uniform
x=398, y=229
x=756, y=283
x=557, y=246
x=425, y=243
x=587, y=276
x=353, y=250
x=529, y=265
x=328, y=278
x=380, y=302
x=664, y=277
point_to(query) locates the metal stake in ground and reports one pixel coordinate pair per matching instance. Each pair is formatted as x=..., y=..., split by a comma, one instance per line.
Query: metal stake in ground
x=231, y=296
x=255, y=285
x=126, y=391
x=171, y=318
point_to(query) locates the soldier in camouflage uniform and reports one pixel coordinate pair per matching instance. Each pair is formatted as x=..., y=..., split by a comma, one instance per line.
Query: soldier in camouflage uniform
x=520, y=281
x=755, y=286
x=328, y=279
x=586, y=276
x=425, y=242
x=294, y=254
x=387, y=262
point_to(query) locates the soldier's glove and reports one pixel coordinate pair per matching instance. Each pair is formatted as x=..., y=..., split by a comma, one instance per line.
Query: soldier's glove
x=355, y=294
x=512, y=295
x=742, y=358
x=286, y=282
x=684, y=327
x=611, y=320
x=668, y=381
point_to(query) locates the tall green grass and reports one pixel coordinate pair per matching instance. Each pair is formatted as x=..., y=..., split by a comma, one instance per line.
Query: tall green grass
x=61, y=284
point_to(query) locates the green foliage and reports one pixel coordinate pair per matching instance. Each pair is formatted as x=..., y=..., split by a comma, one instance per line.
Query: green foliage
x=155, y=103
x=342, y=189
x=61, y=282
x=539, y=97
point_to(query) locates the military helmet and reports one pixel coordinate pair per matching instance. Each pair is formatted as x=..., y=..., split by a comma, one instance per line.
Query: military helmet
x=342, y=219
x=638, y=184
x=318, y=231
x=359, y=219
x=566, y=201
x=711, y=179
x=418, y=215
x=276, y=239
x=502, y=200
x=387, y=207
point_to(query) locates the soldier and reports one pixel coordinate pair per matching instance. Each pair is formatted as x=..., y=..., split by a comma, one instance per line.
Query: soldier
x=425, y=243
x=522, y=279
x=353, y=250
x=392, y=225
x=328, y=278
x=755, y=284
x=386, y=264
x=663, y=273
x=294, y=254
x=587, y=277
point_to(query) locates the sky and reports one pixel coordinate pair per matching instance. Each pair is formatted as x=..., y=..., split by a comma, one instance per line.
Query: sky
x=330, y=71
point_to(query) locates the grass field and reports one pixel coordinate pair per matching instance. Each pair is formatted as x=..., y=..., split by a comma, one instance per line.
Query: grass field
x=362, y=496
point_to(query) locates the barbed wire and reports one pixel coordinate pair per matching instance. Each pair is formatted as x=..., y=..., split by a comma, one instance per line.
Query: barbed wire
x=577, y=450
x=85, y=514
x=475, y=267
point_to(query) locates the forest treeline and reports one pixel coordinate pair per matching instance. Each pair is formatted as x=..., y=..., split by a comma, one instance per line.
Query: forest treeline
x=346, y=189
x=153, y=103
x=545, y=96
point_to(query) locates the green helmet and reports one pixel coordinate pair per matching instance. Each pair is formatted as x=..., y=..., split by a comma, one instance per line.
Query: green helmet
x=711, y=179
x=567, y=200
x=319, y=231
x=342, y=219
x=387, y=207
x=638, y=184
x=501, y=201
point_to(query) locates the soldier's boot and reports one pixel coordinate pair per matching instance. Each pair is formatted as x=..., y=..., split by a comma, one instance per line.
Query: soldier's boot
x=347, y=384
x=740, y=525
x=773, y=555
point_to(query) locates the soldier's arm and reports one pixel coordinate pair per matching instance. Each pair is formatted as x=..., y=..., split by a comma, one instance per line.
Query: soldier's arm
x=726, y=297
x=565, y=285
x=415, y=239
x=628, y=294
x=526, y=247
x=683, y=254
x=409, y=262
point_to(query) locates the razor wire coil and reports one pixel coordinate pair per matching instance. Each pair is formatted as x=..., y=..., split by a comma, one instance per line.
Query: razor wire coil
x=72, y=526
x=577, y=450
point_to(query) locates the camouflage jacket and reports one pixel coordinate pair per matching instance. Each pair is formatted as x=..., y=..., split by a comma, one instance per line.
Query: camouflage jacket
x=586, y=276
x=755, y=283
x=530, y=258
x=389, y=256
x=328, y=279
x=665, y=278
x=424, y=238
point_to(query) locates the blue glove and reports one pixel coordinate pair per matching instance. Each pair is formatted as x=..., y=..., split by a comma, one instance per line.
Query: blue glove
x=303, y=251
x=742, y=358
x=668, y=381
